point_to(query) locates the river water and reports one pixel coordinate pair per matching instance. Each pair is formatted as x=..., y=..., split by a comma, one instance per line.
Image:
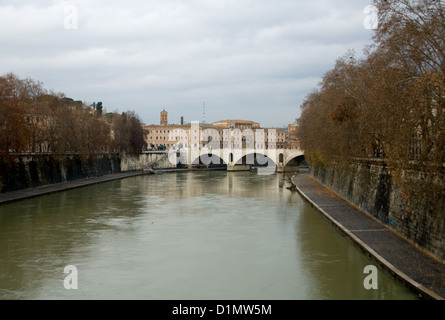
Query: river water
x=209, y=235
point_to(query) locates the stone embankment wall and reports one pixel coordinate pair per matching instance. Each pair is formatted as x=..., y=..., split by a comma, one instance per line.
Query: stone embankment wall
x=370, y=186
x=33, y=170
x=22, y=171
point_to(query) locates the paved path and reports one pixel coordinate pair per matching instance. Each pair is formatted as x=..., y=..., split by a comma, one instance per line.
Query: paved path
x=36, y=192
x=403, y=260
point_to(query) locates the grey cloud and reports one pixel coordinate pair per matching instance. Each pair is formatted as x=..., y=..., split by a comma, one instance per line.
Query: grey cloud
x=248, y=59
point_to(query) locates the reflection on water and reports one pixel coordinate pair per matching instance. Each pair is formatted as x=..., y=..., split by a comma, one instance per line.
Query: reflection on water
x=196, y=235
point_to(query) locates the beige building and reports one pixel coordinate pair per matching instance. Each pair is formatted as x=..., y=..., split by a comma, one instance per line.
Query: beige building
x=165, y=136
x=164, y=118
x=237, y=124
x=293, y=131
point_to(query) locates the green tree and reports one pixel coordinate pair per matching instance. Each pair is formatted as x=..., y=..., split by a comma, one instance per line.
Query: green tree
x=99, y=107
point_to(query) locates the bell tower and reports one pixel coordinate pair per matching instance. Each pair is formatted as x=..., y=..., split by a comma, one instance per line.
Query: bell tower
x=164, y=118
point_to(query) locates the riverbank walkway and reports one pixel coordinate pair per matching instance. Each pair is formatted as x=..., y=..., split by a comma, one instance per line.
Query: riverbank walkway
x=414, y=268
x=19, y=195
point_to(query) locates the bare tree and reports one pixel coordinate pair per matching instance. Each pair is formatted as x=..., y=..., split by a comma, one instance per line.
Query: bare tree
x=390, y=104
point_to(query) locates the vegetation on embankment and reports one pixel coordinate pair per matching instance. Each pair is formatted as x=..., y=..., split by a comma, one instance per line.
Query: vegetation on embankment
x=34, y=120
x=47, y=138
x=388, y=105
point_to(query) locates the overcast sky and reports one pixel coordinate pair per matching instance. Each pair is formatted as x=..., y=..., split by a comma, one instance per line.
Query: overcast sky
x=247, y=59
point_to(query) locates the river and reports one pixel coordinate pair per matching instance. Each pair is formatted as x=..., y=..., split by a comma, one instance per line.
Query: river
x=205, y=235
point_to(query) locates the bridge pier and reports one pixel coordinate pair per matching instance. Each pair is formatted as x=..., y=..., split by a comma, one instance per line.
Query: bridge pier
x=291, y=169
x=280, y=168
x=240, y=167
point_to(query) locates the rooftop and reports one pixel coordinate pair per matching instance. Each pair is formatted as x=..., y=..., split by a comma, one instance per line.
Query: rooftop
x=236, y=121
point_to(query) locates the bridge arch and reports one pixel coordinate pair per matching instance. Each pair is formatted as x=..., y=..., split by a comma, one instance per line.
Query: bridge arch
x=295, y=161
x=210, y=160
x=233, y=157
x=256, y=159
x=292, y=155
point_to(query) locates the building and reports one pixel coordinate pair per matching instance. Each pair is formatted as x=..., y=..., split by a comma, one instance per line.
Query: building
x=237, y=124
x=165, y=136
x=164, y=118
x=159, y=136
x=293, y=131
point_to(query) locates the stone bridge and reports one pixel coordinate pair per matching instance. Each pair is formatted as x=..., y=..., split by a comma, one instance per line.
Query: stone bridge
x=239, y=159
x=266, y=161
x=236, y=149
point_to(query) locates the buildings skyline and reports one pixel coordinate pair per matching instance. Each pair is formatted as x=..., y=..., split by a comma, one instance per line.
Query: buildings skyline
x=165, y=135
x=180, y=119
